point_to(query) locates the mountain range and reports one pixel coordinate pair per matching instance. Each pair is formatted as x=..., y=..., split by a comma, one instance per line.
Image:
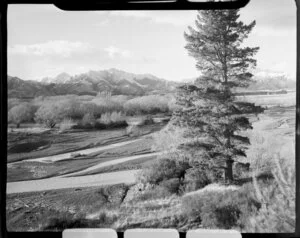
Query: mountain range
x=90, y=83
x=121, y=82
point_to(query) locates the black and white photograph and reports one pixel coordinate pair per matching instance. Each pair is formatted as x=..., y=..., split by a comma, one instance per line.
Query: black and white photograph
x=122, y=119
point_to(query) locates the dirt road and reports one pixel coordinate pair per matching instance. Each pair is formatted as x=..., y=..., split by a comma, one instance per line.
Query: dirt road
x=127, y=177
x=68, y=181
x=54, y=158
x=113, y=162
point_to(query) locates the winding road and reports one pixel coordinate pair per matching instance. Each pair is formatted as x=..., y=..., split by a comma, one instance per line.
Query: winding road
x=113, y=162
x=69, y=181
x=127, y=177
x=64, y=156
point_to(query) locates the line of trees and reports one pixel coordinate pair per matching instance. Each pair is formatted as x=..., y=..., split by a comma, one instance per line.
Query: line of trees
x=52, y=110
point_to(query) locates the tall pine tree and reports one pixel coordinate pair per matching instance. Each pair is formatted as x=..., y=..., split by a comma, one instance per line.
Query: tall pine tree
x=208, y=107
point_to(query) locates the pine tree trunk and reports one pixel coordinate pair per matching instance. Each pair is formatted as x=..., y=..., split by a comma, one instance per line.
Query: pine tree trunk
x=229, y=171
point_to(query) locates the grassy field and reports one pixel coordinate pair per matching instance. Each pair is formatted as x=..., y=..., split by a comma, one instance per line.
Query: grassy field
x=283, y=100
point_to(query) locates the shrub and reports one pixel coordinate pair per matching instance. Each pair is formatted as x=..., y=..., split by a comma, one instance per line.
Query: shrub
x=241, y=169
x=261, y=152
x=140, y=120
x=277, y=192
x=148, y=120
x=172, y=105
x=50, y=114
x=112, y=118
x=168, y=139
x=71, y=108
x=21, y=113
x=85, y=98
x=171, y=185
x=223, y=209
x=77, y=106
x=104, y=105
x=113, y=194
x=162, y=169
x=120, y=99
x=117, y=117
x=155, y=193
x=158, y=171
x=105, y=118
x=11, y=102
x=90, y=108
x=103, y=217
x=195, y=179
x=133, y=130
x=232, y=210
x=65, y=220
x=88, y=120
x=146, y=105
x=66, y=124
x=107, y=121
x=191, y=207
x=226, y=216
x=69, y=104
x=278, y=198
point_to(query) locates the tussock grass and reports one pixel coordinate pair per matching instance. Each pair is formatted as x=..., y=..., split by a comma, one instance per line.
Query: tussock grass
x=66, y=124
x=63, y=221
x=219, y=207
x=214, y=187
x=155, y=213
x=278, y=198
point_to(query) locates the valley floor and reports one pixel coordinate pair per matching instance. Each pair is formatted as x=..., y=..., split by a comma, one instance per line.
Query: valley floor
x=71, y=175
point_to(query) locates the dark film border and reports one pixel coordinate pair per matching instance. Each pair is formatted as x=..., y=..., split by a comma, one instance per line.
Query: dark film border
x=89, y=5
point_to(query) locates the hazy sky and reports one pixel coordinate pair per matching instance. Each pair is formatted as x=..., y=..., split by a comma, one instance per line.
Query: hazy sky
x=45, y=41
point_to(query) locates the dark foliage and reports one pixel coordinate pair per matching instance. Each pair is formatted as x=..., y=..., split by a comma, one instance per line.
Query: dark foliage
x=67, y=221
x=208, y=108
x=101, y=126
x=164, y=169
x=222, y=209
x=171, y=185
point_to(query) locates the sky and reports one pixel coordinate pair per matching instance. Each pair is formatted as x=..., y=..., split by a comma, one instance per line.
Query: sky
x=44, y=41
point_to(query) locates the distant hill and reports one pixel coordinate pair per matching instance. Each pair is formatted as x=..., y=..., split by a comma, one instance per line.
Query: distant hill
x=264, y=80
x=90, y=83
x=120, y=82
x=61, y=78
x=272, y=82
x=18, y=88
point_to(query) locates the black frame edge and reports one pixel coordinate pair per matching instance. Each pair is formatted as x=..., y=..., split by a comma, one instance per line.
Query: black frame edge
x=3, y=108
